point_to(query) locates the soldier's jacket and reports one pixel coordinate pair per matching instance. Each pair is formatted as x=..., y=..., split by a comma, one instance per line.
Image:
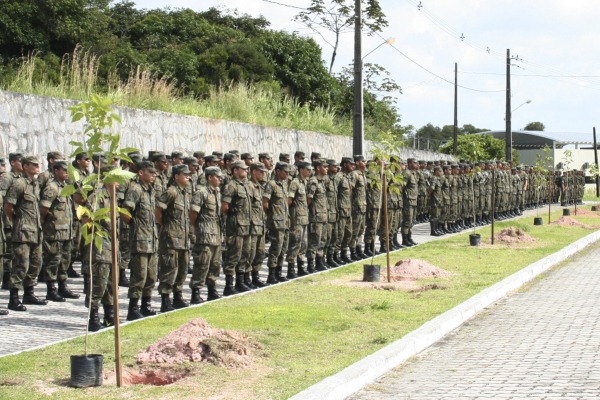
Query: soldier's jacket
x=394, y=195
x=103, y=201
x=477, y=184
x=436, y=195
x=278, y=213
x=332, y=195
x=316, y=190
x=58, y=225
x=2, y=237
x=207, y=203
x=359, y=192
x=6, y=181
x=344, y=195
x=373, y=193
x=453, y=180
x=257, y=216
x=227, y=177
x=175, y=205
x=160, y=184
x=193, y=185
x=44, y=178
x=24, y=195
x=201, y=180
x=237, y=194
x=140, y=199
x=421, y=182
x=299, y=207
x=411, y=190
x=446, y=189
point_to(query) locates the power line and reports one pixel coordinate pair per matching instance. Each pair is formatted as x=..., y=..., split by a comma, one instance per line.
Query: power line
x=285, y=5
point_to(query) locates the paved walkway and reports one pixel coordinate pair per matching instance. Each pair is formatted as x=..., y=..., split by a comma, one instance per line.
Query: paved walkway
x=541, y=343
x=43, y=325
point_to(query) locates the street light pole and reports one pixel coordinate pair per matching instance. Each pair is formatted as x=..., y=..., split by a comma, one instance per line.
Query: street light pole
x=358, y=120
x=508, y=112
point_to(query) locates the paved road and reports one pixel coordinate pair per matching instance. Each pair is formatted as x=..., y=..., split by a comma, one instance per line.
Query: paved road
x=42, y=325
x=541, y=343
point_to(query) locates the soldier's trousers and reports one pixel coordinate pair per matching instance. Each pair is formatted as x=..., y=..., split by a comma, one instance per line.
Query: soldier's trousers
x=26, y=264
x=316, y=244
x=207, y=265
x=435, y=213
x=408, y=214
x=124, y=247
x=297, y=242
x=330, y=237
x=279, y=244
x=393, y=221
x=102, y=288
x=8, y=256
x=143, y=274
x=372, y=218
x=56, y=259
x=257, y=251
x=237, y=255
x=358, y=228
x=173, y=270
x=344, y=227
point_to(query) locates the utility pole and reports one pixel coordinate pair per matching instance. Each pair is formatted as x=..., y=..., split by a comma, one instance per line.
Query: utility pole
x=455, y=147
x=358, y=121
x=508, y=112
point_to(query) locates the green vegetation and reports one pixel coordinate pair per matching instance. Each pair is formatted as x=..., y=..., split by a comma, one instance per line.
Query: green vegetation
x=309, y=329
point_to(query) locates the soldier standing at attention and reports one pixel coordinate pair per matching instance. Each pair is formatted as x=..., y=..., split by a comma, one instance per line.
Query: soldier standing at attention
x=373, y=215
x=162, y=165
x=345, y=187
x=267, y=160
x=298, y=218
x=359, y=207
x=140, y=201
x=436, y=201
x=205, y=217
x=257, y=227
x=56, y=212
x=410, y=193
x=275, y=203
x=236, y=205
x=172, y=216
x=2, y=242
x=316, y=197
x=48, y=174
x=330, y=235
x=16, y=170
x=21, y=207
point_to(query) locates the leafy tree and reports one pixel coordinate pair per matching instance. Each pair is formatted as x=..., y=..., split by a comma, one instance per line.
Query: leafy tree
x=477, y=148
x=337, y=17
x=534, y=126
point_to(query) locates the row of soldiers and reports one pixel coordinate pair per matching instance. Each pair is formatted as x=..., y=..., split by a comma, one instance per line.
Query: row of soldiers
x=314, y=215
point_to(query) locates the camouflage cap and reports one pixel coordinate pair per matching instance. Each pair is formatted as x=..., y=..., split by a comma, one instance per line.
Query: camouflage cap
x=199, y=154
x=158, y=156
x=283, y=166
x=359, y=157
x=56, y=155
x=258, y=165
x=213, y=171
x=228, y=156
x=146, y=165
x=265, y=155
x=331, y=162
x=191, y=160
x=136, y=158
x=15, y=156
x=211, y=158
x=314, y=155
x=239, y=164
x=319, y=163
x=347, y=160
x=176, y=154
x=305, y=165
x=31, y=159
x=181, y=169
x=299, y=154
x=61, y=164
x=218, y=154
x=409, y=160
x=234, y=152
x=247, y=156
x=284, y=156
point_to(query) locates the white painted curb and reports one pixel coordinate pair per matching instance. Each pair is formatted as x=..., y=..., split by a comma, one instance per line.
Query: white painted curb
x=355, y=377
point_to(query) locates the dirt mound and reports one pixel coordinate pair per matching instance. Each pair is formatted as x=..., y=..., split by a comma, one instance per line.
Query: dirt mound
x=513, y=235
x=586, y=213
x=155, y=377
x=412, y=269
x=568, y=221
x=199, y=342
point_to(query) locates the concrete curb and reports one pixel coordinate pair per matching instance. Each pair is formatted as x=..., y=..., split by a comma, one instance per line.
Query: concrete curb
x=356, y=376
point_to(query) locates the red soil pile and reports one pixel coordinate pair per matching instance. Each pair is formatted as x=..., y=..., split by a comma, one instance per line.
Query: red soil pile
x=412, y=269
x=567, y=221
x=513, y=235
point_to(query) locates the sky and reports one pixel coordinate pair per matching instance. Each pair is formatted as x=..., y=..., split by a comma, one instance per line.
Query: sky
x=554, y=45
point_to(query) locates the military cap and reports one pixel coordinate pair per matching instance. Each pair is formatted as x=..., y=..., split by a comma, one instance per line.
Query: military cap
x=394, y=158
x=401, y=161
x=259, y=166
x=284, y=156
x=234, y=152
x=346, y=160
x=31, y=159
x=211, y=158
x=107, y=168
x=331, y=162
x=445, y=166
x=181, y=169
x=247, y=156
x=213, y=171
x=56, y=155
x=454, y=166
x=410, y=160
x=239, y=164
x=359, y=157
x=437, y=168
x=158, y=156
x=168, y=157
x=147, y=165
x=136, y=158
x=320, y=163
x=462, y=160
x=518, y=168
x=176, y=154
x=15, y=156
x=314, y=154
x=82, y=156
x=283, y=166
x=299, y=154
x=305, y=164
x=430, y=163
x=62, y=164
x=421, y=162
x=265, y=155
x=218, y=154
x=151, y=154
x=199, y=154
x=190, y=160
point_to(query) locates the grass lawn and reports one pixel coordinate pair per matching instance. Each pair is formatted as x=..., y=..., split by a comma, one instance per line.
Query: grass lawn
x=309, y=329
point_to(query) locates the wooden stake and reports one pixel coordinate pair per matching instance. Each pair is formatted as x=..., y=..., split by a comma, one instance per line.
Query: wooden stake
x=387, y=228
x=115, y=281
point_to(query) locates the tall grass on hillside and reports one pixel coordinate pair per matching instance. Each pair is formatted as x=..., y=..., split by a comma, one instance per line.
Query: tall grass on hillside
x=78, y=80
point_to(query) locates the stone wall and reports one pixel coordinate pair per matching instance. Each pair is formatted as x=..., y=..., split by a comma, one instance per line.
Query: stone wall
x=36, y=125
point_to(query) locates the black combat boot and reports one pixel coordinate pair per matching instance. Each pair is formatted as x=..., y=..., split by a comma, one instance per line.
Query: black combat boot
x=291, y=271
x=3, y=311
x=240, y=286
x=71, y=273
x=330, y=263
x=65, y=292
x=14, y=303
x=94, y=324
x=133, y=312
x=360, y=253
x=310, y=266
x=229, y=286
x=433, y=229
x=109, y=315
x=52, y=293
x=320, y=263
x=439, y=229
x=369, y=249
x=396, y=245
x=196, y=299
x=146, y=308
x=353, y=255
x=30, y=298
x=42, y=275
x=256, y=280
x=212, y=291
x=302, y=271
x=405, y=241
x=178, y=301
x=344, y=257
x=5, y=279
x=165, y=303
x=300, y=262
x=410, y=240
x=123, y=281
x=278, y=276
x=271, y=279
x=248, y=281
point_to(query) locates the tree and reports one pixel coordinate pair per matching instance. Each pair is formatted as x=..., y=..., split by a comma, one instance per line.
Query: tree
x=534, y=126
x=337, y=17
x=477, y=148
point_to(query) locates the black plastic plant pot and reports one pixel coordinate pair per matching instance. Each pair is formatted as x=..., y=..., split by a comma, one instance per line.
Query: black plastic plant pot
x=538, y=221
x=371, y=273
x=566, y=211
x=86, y=370
x=475, y=239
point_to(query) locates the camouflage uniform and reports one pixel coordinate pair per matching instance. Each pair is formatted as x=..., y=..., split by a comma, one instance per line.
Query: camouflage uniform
x=344, y=188
x=410, y=194
x=359, y=210
x=374, y=215
x=298, y=223
x=316, y=192
x=330, y=235
x=6, y=182
x=278, y=223
x=237, y=226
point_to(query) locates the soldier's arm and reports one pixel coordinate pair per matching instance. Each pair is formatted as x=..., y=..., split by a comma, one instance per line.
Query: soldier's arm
x=196, y=205
x=267, y=196
x=130, y=200
x=48, y=196
x=9, y=211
